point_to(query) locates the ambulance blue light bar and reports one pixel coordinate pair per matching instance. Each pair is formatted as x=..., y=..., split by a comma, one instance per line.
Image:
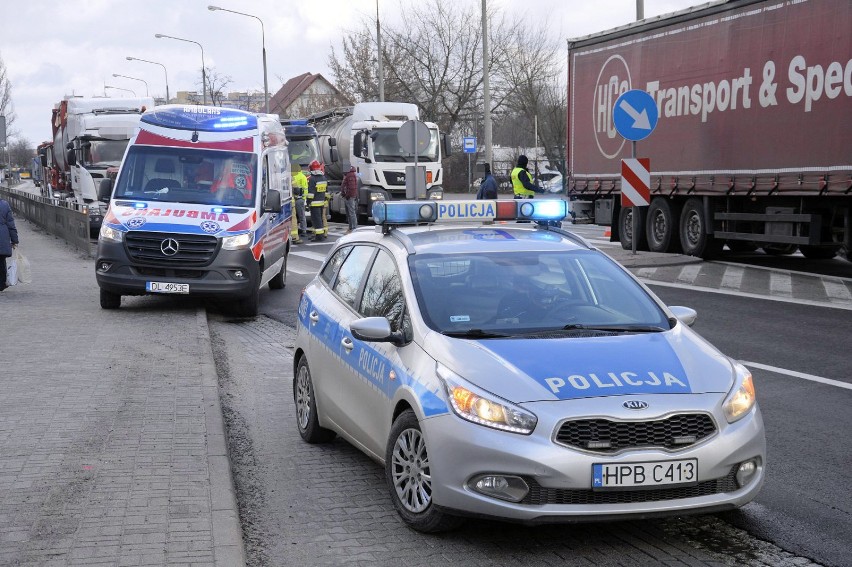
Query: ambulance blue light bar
x=201, y=118
x=414, y=212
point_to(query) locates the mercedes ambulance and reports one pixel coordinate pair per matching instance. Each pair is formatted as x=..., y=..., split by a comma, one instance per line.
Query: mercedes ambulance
x=201, y=206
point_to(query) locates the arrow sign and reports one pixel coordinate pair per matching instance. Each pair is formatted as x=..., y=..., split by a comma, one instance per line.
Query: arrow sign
x=635, y=182
x=635, y=115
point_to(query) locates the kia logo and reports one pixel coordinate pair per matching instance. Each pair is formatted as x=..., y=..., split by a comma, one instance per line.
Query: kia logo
x=635, y=404
x=169, y=247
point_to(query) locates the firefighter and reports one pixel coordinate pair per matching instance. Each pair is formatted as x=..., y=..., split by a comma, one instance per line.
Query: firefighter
x=300, y=191
x=316, y=199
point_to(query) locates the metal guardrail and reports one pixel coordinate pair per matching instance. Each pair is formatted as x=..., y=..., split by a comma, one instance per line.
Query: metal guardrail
x=64, y=219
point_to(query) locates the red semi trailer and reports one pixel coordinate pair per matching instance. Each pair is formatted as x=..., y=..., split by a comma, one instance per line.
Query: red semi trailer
x=753, y=147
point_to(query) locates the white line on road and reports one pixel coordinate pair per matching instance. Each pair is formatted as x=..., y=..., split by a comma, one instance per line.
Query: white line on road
x=836, y=291
x=847, y=307
x=309, y=255
x=780, y=284
x=795, y=374
x=688, y=273
x=778, y=270
x=733, y=277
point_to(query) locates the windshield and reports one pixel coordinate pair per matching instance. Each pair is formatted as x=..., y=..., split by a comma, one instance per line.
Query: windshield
x=103, y=153
x=516, y=293
x=304, y=152
x=386, y=146
x=188, y=175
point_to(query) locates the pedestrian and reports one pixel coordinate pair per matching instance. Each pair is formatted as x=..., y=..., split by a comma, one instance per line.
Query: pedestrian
x=522, y=185
x=349, y=189
x=316, y=200
x=8, y=238
x=488, y=186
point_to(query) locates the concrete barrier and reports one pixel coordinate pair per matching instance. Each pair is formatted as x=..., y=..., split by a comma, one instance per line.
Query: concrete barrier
x=63, y=219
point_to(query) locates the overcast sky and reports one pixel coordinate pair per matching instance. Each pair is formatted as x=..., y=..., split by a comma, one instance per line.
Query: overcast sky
x=56, y=48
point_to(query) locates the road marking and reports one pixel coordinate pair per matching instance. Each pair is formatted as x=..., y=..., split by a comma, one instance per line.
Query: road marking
x=733, y=277
x=645, y=272
x=309, y=255
x=847, y=307
x=780, y=284
x=688, y=273
x=802, y=375
x=836, y=291
x=777, y=270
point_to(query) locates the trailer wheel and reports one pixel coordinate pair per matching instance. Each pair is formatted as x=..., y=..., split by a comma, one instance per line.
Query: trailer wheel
x=625, y=228
x=661, y=226
x=819, y=252
x=693, y=232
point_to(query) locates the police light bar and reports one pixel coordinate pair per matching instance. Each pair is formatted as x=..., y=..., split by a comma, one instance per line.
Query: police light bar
x=414, y=212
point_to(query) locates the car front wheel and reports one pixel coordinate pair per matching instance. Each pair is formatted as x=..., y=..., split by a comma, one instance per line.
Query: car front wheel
x=409, y=477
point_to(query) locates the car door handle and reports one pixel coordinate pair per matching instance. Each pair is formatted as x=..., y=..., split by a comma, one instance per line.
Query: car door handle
x=347, y=344
x=314, y=316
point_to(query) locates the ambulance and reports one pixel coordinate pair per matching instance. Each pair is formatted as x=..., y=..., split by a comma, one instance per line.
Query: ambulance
x=201, y=206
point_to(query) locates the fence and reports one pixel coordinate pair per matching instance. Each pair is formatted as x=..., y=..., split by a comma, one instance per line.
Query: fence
x=63, y=219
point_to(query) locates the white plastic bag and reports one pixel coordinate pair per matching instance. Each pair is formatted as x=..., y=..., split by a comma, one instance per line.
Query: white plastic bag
x=11, y=271
x=24, y=273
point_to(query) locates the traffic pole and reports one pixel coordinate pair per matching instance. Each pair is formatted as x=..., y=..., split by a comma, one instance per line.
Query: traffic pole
x=635, y=208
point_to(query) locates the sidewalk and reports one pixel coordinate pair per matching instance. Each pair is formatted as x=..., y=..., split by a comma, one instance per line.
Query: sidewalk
x=112, y=448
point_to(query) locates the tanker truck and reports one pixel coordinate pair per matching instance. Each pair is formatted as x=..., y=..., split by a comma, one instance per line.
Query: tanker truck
x=364, y=136
x=752, y=147
x=89, y=139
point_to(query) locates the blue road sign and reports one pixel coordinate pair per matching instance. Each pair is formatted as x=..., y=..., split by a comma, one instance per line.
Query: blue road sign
x=470, y=145
x=635, y=115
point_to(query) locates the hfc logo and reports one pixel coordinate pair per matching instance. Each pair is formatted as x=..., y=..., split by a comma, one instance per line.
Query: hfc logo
x=613, y=81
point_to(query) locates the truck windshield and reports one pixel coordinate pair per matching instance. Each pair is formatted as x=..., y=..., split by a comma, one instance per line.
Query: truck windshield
x=103, y=153
x=386, y=146
x=187, y=175
x=304, y=151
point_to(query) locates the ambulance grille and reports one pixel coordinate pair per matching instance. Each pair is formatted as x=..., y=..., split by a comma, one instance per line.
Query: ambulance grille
x=609, y=436
x=539, y=495
x=193, y=249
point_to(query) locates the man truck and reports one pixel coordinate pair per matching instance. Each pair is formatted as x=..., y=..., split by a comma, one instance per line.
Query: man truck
x=753, y=146
x=365, y=136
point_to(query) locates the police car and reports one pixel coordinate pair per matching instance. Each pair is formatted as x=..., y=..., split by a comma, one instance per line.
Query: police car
x=510, y=370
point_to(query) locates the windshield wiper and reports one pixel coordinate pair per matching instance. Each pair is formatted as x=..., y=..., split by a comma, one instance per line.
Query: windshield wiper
x=474, y=334
x=615, y=328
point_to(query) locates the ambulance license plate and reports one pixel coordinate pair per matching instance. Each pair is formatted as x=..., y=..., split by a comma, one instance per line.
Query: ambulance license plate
x=166, y=287
x=658, y=473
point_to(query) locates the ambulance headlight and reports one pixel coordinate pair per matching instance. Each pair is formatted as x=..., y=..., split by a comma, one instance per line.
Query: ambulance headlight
x=741, y=398
x=483, y=408
x=238, y=242
x=110, y=234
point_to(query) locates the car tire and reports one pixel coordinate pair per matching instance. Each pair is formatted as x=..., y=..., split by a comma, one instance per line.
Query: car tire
x=248, y=306
x=694, y=239
x=279, y=280
x=306, y=407
x=110, y=300
x=409, y=478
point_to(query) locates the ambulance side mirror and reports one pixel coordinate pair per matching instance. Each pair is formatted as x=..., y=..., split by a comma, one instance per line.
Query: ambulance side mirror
x=272, y=203
x=105, y=190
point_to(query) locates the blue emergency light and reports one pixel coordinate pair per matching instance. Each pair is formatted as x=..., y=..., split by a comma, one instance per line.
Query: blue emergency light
x=201, y=118
x=415, y=212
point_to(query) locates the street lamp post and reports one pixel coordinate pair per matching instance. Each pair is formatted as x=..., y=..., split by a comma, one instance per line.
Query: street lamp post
x=203, y=70
x=135, y=79
x=263, y=43
x=119, y=89
x=168, y=98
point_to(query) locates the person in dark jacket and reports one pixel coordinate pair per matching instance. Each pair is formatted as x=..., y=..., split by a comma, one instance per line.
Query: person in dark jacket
x=488, y=187
x=8, y=239
x=349, y=189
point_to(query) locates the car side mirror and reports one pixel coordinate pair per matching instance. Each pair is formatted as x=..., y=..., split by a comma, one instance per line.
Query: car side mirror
x=445, y=145
x=685, y=315
x=71, y=157
x=272, y=203
x=374, y=329
x=105, y=189
x=334, y=155
x=43, y=159
x=358, y=145
x=332, y=141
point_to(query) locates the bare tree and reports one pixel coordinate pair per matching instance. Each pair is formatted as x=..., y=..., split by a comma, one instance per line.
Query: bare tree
x=21, y=153
x=7, y=108
x=216, y=85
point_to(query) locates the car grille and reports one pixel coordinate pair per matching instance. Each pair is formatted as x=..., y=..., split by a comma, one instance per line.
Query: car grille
x=608, y=436
x=539, y=495
x=394, y=178
x=193, y=249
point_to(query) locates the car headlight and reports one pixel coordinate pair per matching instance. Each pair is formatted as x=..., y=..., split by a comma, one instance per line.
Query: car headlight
x=377, y=196
x=483, y=408
x=741, y=398
x=238, y=242
x=111, y=234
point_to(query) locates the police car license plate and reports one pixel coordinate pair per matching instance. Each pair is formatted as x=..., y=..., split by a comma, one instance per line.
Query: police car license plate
x=166, y=287
x=659, y=473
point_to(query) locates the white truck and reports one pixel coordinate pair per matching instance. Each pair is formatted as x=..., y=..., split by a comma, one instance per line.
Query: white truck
x=365, y=136
x=89, y=139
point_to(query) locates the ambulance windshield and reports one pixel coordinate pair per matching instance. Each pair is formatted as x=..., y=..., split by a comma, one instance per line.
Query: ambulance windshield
x=188, y=175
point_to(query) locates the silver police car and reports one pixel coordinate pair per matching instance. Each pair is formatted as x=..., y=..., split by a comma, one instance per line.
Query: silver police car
x=509, y=370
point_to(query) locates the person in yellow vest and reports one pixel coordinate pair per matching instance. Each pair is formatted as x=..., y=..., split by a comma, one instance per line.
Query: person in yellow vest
x=522, y=185
x=317, y=186
x=300, y=192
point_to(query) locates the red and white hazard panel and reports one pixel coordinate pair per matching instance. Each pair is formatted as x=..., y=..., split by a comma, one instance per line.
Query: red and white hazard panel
x=635, y=182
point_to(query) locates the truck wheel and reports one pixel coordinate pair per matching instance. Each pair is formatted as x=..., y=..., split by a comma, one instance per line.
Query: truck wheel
x=625, y=228
x=693, y=234
x=819, y=252
x=110, y=300
x=780, y=249
x=280, y=279
x=662, y=225
x=248, y=306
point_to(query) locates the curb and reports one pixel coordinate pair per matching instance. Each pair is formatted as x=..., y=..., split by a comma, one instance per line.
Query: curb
x=228, y=550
